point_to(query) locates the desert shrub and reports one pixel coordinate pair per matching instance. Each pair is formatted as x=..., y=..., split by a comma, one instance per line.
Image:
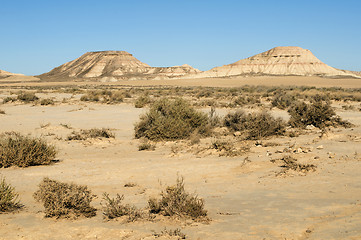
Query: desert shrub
x=90, y=96
x=91, y=133
x=170, y=233
x=46, y=101
x=146, y=145
x=64, y=199
x=8, y=197
x=283, y=100
x=2, y=111
x=9, y=99
x=318, y=113
x=142, y=101
x=175, y=201
x=245, y=100
x=171, y=120
x=114, y=208
x=289, y=163
x=27, y=97
x=24, y=151
x=254, y=125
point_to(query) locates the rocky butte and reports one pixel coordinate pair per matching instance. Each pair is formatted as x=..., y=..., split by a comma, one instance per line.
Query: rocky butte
x=282, y=61
x=113, y=66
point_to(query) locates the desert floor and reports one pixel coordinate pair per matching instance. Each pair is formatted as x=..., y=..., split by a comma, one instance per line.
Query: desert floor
x=244, y=195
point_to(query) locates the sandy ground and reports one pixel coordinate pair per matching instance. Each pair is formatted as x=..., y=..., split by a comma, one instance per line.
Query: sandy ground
x=210, y=82
x=244, y=197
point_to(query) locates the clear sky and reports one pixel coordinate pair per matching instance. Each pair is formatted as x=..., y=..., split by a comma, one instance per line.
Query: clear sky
x=38, y=35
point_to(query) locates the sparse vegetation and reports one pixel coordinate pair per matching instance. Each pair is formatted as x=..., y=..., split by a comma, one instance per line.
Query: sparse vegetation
x=91, y=133
x=171, y=120
x=27, y=97
x=146, y=145
x=171, y=233
x=318, y=113
x=2, y=111
x=142, y=101
x=290, y=163
x=24, y=151
x=8, y=197
x=114, y=208
x=175, y=201
x=255, y=125
x=64, y=199
x=283, y=100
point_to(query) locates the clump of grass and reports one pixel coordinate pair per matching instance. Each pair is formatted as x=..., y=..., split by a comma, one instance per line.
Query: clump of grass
x=171, y=120
x=2, y=111
x=255, y=125
x=27, y=97
x=24, y=151
x=8, y=197
x=318, y=113
x=114, y=208
x=175, y=201
x=46, y=101
x=64, y=199
x=91, y=133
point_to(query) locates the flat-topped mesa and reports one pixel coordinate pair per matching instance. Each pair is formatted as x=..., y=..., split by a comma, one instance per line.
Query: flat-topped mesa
x=113, y=66
x=277, y=61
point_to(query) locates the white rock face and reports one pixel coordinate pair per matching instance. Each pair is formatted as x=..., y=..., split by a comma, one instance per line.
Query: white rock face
x=112, y=66
x=277, y=61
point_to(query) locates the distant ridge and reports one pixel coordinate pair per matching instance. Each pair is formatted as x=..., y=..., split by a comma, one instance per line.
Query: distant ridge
x=5, y=74
x=277, y=61
x=113, y=66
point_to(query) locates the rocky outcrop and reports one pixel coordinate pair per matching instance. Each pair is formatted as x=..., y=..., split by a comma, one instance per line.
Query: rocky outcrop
x=277, y=61
x=113, y=66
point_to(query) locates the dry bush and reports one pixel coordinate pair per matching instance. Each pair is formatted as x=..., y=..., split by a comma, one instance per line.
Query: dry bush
x=9, y=99
x=254, y=125
x=227, y=148
x=171, y=120
x=46, y=101
x=114, y=208
x=2, y=111
x=27, y=97
x=24, y=151
x=175, y=201
x=146, y=145
x=8, y=197
x=142, y=101
x=170, y=233
x=104, y=96
x=91, y=133
x=64, y=199
x=283, y=100
x=290, y=163
x=318, y=113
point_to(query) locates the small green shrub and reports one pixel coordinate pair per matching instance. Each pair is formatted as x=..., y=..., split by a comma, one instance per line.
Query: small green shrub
x=27, y=97
x=23, y=151
x=91, y=133
x=8, y=197
x=175, y=201
x=114, y=208
x=254, y=125
x=64, y=199
x=171, y=120
x=318, y=113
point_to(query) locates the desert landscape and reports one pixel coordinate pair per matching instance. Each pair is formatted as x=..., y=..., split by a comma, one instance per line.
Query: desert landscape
x=106, y=147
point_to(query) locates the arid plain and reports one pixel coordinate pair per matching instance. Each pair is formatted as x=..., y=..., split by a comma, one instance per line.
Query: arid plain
x=247, y=196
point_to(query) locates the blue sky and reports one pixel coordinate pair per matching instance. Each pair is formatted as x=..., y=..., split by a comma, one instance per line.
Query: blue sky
x=38, y=35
